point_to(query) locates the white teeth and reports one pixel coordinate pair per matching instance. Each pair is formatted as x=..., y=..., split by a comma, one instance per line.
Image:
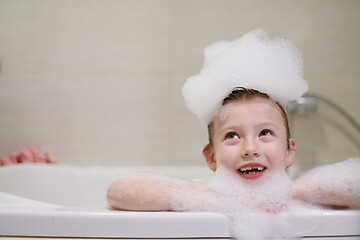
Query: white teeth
x=251, y=168
x=246, y=169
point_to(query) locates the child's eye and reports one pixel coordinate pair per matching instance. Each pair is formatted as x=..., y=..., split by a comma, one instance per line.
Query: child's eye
x=266, y=132
x=232, y=135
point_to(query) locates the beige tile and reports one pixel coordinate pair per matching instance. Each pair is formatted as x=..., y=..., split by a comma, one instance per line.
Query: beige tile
x=97, y=122
x=99, y=82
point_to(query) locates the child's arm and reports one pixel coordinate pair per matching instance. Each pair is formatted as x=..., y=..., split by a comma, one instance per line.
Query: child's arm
x=150, y=192
x=335, y=184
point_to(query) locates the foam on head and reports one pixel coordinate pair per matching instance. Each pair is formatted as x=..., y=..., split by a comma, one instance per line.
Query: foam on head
x=253, y=61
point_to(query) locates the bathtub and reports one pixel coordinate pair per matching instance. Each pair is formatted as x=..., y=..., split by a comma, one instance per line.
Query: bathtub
x=55, y=201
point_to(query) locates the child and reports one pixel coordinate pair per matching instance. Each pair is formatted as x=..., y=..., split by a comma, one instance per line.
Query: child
x=249, y=136
x=239, y=94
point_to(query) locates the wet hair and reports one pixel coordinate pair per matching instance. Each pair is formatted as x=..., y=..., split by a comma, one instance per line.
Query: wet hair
x=241, y=93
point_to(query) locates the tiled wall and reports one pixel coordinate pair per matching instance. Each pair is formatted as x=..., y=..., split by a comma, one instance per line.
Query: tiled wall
x=99, y=82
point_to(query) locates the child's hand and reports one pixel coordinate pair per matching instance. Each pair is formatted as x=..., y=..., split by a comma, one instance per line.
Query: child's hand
x=33, y=154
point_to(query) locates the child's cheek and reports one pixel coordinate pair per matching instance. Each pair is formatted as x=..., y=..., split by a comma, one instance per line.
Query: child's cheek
x=226, y=157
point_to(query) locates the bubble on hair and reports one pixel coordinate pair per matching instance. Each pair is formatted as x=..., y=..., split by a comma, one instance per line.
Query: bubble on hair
x=271, y=66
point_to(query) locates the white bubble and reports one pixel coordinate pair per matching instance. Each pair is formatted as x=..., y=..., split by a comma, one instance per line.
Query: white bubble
x=254, y=61
x=269, y=193
x=257, y=209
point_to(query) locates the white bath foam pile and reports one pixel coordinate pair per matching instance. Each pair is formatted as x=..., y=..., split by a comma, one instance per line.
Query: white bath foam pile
x=254, y=61
x=257, y=209
x=264, y=208
x=268, y=194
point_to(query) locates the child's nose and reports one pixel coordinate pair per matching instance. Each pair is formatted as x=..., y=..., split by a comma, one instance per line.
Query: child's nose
x=250, y=149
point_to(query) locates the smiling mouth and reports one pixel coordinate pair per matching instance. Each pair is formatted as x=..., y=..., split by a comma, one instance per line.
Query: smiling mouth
x=251, y=170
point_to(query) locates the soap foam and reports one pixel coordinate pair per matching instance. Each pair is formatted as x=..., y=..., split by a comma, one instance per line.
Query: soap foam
x=257, y=209
x=264, y=208
x=254, y=61
x=269, y=193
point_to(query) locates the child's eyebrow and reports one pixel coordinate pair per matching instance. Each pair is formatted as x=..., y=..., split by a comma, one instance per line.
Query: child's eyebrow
x=266, y=124
x=227, y=128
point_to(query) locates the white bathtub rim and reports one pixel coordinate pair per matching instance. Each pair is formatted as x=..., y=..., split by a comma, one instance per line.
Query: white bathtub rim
x=26, y=217
x=111, y=224
x=47, y=220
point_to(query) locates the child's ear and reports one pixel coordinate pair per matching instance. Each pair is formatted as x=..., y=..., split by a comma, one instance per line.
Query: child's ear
x=209, y=156
x=290, y=158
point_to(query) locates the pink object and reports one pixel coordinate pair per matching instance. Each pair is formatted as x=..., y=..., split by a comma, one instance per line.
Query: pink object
x=32, y=154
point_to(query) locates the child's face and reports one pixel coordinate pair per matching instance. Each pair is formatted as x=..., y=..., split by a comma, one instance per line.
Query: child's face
x=250, y=138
